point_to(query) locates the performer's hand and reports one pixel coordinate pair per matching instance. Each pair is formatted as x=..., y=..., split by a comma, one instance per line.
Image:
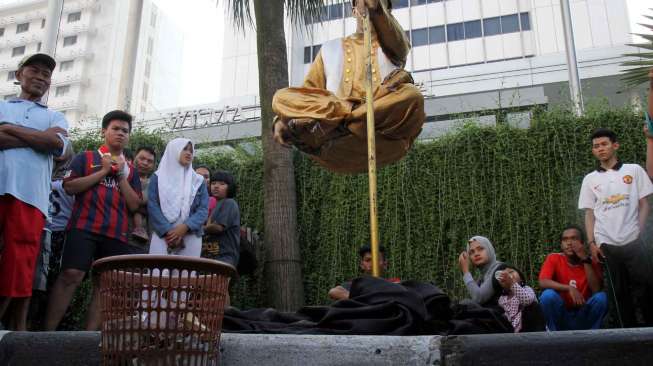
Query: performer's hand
x=359, y=8
x=281, y=131
x=372, y=4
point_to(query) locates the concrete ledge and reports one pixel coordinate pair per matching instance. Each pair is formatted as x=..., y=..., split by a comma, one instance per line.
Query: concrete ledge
x=82, y=348
x=50, y=348
x=588, y=347
x=273, y=349
x=602, y=347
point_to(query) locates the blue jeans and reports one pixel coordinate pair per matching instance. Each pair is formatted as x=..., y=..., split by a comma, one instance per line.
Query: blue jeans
x=589, y=316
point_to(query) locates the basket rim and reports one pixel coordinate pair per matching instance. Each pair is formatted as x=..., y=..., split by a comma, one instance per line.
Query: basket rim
x=152, y=261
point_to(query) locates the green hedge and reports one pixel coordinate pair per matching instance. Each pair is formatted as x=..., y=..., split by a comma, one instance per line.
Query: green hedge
x=516, y=186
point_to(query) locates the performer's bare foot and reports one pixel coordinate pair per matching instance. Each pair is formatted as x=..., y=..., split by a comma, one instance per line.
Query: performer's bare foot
x=281, y=132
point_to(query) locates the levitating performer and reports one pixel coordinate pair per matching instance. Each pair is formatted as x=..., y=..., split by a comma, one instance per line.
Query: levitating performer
x=326, y=117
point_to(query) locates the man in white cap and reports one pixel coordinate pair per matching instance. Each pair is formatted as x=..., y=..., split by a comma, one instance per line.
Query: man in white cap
x=30, y=136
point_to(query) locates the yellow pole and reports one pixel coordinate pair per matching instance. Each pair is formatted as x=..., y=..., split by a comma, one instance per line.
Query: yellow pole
x=371, y=146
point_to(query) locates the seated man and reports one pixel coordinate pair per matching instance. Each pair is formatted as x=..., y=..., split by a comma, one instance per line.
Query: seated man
x=326, y=117
x=365, y=252
x=572, y=298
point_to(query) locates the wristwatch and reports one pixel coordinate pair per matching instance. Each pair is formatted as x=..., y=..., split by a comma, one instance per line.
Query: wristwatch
x=587, y=260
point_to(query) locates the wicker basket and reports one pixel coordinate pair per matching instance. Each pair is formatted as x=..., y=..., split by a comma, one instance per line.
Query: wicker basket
x=162, y=310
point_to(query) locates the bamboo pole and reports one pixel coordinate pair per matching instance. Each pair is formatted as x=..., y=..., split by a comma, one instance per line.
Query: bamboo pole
x=371, y=146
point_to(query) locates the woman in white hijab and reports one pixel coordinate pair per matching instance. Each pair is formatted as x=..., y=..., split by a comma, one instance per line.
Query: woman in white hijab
x=177, y=202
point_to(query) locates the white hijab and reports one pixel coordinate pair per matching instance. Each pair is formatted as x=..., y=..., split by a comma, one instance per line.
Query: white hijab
x=177, y=184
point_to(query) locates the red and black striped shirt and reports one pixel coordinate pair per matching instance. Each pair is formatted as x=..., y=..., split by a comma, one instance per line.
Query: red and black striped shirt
x=101, y=209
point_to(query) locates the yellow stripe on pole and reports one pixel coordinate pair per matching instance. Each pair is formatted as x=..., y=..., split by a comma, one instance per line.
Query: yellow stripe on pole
x=371, y=146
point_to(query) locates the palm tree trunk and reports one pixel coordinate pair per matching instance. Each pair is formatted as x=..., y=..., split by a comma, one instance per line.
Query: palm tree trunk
x=283, y=272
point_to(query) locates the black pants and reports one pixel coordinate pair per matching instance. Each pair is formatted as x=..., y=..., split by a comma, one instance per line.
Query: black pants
x=629, y=272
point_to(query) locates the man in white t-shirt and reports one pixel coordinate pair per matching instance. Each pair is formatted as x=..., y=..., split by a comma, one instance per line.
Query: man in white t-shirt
x=614, y=198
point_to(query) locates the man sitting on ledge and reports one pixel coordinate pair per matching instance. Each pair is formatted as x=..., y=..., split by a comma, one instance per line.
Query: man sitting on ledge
x=326, y=117
x=571, y=280
x=365, y=252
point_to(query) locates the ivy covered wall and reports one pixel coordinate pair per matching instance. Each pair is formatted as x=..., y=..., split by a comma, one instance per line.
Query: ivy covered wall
x=518, y=187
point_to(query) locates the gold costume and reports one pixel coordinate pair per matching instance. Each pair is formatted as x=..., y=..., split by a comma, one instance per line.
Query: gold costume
x=327, y=118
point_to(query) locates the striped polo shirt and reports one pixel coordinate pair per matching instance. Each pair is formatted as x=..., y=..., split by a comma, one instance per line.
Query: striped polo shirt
x=102, y=208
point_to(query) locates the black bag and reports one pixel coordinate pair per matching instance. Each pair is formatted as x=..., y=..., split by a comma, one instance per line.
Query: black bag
x=532, y=319
x=247, y=263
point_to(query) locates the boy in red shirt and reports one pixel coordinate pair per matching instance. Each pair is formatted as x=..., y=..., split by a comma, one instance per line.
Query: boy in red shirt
x=572, y=298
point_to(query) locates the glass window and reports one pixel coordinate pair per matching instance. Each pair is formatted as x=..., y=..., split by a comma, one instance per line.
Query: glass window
x=348, y=9
x=307, y=55
x=74, y=17
x=491, y=26
x=417, y=2
x=150, y=46
x=437, y=34
x=420, y=37
x=2, y=32
x=11, y=75
x=398, y=4
x=21, y=28
x=316, y=50
x=335, y=11
x=525, y=22
x=307, y=19
x=145, y=90
x=509, y=23
x=66, y=65
x=69, y=41
x=43, y=23
x=324, y=13
x=148, y=68
x=455, y=32
x=472, y=29
x=18, y=51
x=435, y=1
x=62, y=90
x=38, y=47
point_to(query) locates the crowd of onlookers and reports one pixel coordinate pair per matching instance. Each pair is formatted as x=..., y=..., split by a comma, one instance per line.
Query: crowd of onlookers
x=60, y=211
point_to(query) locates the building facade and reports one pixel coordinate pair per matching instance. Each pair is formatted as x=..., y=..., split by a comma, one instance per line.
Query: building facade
x=472, y=56
x=99, y=52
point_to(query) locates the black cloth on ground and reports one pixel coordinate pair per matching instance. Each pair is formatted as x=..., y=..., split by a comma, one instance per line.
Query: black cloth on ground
x=376, y=307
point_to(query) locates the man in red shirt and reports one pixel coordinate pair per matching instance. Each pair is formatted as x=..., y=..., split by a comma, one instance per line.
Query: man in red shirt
x=572, y=297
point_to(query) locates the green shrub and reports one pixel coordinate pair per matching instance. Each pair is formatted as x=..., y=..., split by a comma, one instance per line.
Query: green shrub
x=518, y=187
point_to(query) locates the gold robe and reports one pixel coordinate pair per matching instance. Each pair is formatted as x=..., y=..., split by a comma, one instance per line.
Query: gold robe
x=329, y=110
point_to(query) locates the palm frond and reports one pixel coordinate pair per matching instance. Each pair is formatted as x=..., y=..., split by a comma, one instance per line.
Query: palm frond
x=240, y=12
x=301, y=13
x=638, y=67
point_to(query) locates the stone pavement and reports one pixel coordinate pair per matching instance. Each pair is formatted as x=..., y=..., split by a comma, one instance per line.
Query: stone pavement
x=602, y=347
